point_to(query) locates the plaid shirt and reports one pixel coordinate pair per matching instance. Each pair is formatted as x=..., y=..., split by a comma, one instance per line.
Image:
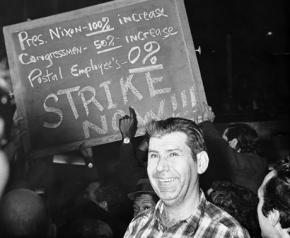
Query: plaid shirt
x=206, y=221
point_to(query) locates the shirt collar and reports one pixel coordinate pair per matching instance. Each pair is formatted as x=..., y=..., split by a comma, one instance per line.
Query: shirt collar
x=195, y=217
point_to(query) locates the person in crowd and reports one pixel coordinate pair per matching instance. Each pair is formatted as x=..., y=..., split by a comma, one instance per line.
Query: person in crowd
x=218, y=168
x=14, y=153
x=237, y=151
x=1, y=128
x=238, y=201
x=89, y=228
x=281, y=144
x=13, y=146
x=274, y=202
x=23, y=214
x=112, y=199
x=248, y=168
x=130, y=168
x=241, y=137
x=7, y=104
x=4, y=172
x=98, y=202
x=4, y=164
x=176, y=157
x=144, y=197
x=109, y=197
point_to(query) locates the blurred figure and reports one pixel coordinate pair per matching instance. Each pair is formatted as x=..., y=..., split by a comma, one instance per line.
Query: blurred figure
x=97, y=202
x=235, y=150
x=7, y=103
x=89, y=228
x=274, y=202
x=107, y=196
x=1, y=128
x=275, y=148
x=218, y=168
x=14, y=152
x=24, y=214
x=241, y=137
x=144, y=197
x=238, y=201
x=99, y=195
x=4, y=172
x=247, y=167
x=4, y=165
x=281, y=143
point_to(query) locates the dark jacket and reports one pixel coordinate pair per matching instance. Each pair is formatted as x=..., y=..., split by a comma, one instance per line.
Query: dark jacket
x=244, y=169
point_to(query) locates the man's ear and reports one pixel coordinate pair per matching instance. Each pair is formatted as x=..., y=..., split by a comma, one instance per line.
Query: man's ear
x=233, y=143
x=202, y=162
x=274, y=217
x=104, y=205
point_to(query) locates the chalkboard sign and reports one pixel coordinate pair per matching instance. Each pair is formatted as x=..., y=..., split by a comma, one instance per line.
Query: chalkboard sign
x=75, y=74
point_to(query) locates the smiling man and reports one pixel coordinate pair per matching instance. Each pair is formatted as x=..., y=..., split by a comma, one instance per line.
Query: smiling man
x=176, y=157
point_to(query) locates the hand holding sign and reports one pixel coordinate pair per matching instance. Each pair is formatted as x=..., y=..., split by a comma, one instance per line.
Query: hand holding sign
x=128, y=124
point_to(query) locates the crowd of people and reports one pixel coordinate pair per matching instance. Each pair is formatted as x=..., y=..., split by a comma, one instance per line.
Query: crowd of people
x=183, y=178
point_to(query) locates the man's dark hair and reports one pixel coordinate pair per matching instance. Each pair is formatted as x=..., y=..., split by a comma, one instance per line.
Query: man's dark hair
x=195, y=138
x=245, y=134
x=23, y=214
x=277, y=193
x=238, y=201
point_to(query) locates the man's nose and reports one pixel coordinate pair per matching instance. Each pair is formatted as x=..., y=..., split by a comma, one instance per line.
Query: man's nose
x=162, y=164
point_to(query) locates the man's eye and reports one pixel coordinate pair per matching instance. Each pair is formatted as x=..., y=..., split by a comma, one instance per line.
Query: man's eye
x=146, y=207
x=173, y=154
x=153, y=156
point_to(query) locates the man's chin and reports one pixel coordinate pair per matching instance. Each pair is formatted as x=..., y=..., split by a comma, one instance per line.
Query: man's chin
x=168, y=200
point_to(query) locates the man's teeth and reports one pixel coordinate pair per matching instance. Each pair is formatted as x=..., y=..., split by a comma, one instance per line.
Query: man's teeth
x=166, y=180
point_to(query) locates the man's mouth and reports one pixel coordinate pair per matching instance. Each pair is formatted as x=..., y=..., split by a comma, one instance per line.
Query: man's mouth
x=166, y=184
x=166, y=180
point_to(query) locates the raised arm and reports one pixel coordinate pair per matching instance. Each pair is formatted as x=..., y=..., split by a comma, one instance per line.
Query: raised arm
x=218, y=150
x=129, y=169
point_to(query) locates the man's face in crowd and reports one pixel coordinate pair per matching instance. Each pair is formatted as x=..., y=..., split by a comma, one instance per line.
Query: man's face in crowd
x=266, y=226
x=171, y=169
x=232, y=143
x=143, y=202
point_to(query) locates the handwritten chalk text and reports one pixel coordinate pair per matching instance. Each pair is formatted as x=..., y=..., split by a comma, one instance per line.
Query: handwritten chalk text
x=44, y=77
x=27, y=41
x=26, y=58
x=151, y=33
x=146, y=16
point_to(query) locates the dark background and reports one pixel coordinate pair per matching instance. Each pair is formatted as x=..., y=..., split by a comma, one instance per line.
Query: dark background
x=244, y=51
